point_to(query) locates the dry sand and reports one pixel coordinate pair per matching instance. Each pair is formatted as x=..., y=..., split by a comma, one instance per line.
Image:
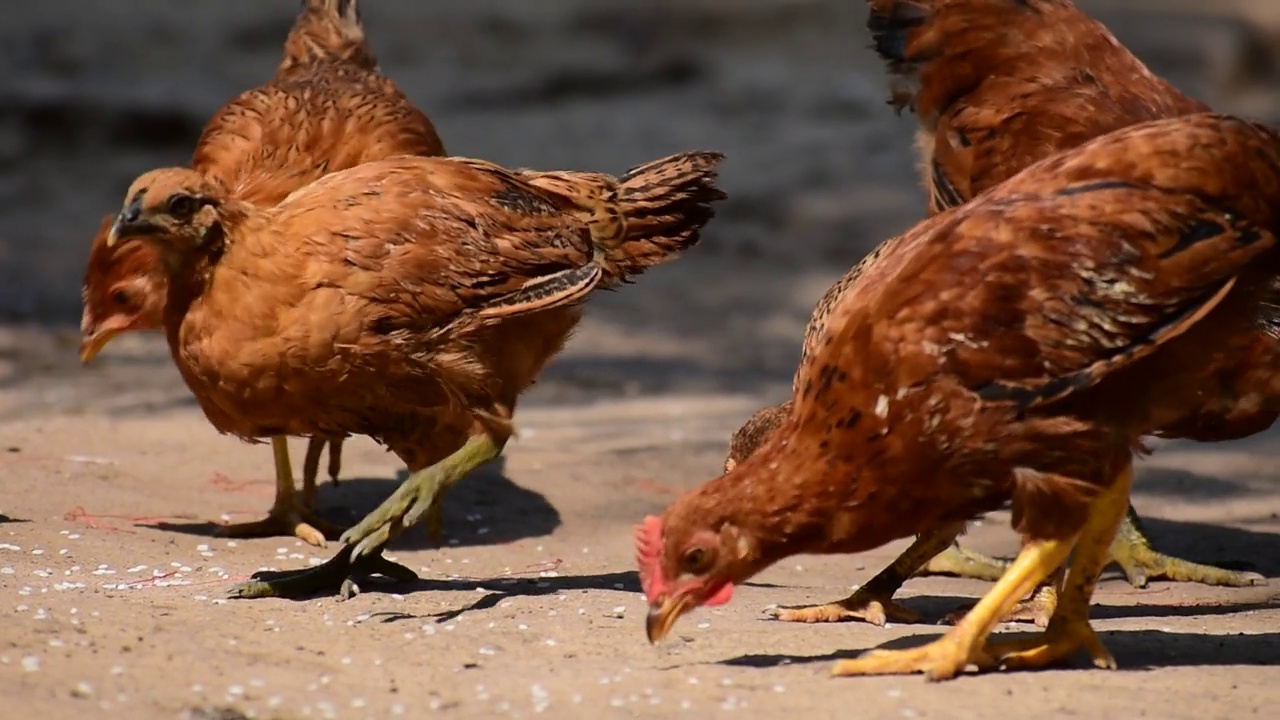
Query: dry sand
x=110, y=589
x=110, y=581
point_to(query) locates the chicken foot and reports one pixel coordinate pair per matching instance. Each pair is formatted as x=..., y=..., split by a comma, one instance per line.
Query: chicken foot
x=965, y=644
x=340, y=572
x=418, y=496
x=873, y=601
x=311, y=466
x=1132, y=551
x=288, y=516
x=956, y=561
x=1068, y=630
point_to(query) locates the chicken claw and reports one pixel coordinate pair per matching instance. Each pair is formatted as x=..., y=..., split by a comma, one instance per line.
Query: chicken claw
x=338, y=574
x=873, y=602
x=420, y=494
x=287, y=516
x=1036, y=609
x=297, y=521
x=964, y=644
x=860, y=605
x=1132, y=551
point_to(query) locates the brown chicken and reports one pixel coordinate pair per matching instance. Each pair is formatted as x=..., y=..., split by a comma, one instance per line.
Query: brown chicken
x=991, y=101
x=327, y=109
x=411, y=300
x=1015, y=349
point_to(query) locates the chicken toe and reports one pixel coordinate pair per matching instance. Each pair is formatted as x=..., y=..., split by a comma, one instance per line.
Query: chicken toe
x=296, y=520
x=965, y=644
x=1141, y=563
x=1037, y=608
x=873, y=602
x=338, y=575
x=288, y=514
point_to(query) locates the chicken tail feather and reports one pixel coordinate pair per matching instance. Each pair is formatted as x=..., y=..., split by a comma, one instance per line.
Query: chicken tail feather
x=646, y=217
x=327, y=31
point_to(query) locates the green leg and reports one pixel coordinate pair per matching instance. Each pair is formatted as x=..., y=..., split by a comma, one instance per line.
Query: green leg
x=419, y=495
x=1132, y=551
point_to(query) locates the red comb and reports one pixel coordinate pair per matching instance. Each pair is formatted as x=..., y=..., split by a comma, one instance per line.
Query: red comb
x=649, y=556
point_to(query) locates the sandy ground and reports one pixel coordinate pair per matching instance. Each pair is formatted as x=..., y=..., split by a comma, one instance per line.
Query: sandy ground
x=111, y=581
x=110, y=589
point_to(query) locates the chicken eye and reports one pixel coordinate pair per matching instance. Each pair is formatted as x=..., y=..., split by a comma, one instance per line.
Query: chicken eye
x=120, y=298
x=695, y=560
x=182, y=206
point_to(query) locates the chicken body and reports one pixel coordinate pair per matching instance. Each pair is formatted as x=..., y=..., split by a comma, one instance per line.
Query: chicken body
x=997, y=86
x=1012, y=350
x=327, y=109
x=411, y=300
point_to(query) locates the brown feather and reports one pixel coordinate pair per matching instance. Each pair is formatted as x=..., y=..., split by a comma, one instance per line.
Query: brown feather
x=1123, y=266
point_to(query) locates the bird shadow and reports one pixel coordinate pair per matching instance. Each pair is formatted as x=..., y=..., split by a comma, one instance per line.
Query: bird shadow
x=6, y=519
x=1134, y=650
x=487, y=508
x=492, y=591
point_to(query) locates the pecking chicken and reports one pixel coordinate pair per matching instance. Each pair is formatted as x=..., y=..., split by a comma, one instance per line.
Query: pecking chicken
x=410, y=299
x=990, y=102
x=1015, y=349
x=327, y=109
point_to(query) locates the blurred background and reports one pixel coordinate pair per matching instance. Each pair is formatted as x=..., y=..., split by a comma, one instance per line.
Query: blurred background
x=819, y=169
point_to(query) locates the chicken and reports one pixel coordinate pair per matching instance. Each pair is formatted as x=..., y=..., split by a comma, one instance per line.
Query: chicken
x=990, y=102
x=1015, y=349
x=326, y=109
x=410, y=299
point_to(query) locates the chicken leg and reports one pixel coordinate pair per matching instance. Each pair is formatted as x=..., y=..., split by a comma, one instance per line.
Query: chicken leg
x=287, y=516
x=419, y=495
x=873, y=601
x=964, y=644
x=1131, y=550
x=311, y=466
x=957, y=561
x=1068, y=630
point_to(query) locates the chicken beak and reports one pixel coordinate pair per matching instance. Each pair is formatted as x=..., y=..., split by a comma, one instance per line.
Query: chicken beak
x=91, y=345
x=662, y=616
x=113, y=235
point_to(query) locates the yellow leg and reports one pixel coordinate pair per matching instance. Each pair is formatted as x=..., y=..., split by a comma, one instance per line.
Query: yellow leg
x=1068, y=631
x=287, y=515
x=873, y=602
x=963, y=645
x=1036, y=609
